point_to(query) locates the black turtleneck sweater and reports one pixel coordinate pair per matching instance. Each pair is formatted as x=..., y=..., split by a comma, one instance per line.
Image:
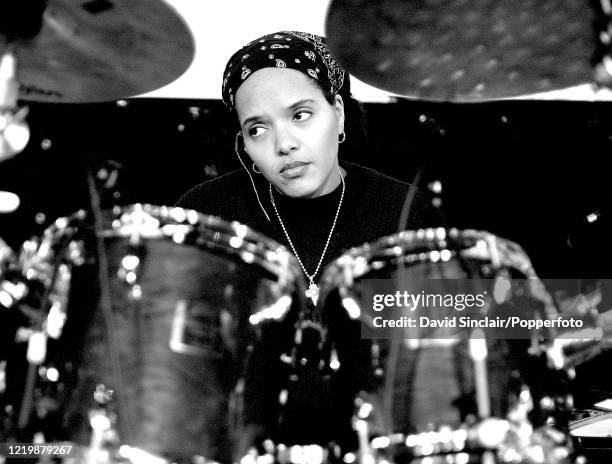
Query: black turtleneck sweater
x=317, y=411
x=371, y=209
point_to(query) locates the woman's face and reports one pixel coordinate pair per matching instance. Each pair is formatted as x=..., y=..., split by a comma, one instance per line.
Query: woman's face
x=291, y=131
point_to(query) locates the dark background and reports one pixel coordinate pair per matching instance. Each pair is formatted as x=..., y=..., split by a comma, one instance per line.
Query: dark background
x=524, y=170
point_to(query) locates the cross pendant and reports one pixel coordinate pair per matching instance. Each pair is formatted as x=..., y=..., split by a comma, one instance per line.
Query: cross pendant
x=312, y=292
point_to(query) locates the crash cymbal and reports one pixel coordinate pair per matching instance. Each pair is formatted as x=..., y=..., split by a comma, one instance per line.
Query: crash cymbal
x=464, y=50
x=95, y=50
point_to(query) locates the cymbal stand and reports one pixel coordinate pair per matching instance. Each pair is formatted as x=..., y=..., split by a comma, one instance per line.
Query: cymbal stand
x=14, y=131
x=478, y=353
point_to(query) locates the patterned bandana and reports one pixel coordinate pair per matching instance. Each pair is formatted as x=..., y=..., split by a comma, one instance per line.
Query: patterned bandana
x=301, y=51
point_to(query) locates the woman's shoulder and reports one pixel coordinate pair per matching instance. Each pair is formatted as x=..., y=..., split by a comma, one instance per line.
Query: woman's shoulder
x=229, y=196
x=388, y=195
x=214, y=195
x=371, y=180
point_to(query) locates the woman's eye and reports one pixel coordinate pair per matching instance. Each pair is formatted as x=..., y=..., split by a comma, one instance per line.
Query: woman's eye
x=255, y=131
x=302, y=115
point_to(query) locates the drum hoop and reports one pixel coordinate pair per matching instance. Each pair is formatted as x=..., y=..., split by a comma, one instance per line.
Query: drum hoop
x=358, y=261
x=189, y=227
x=573, y=426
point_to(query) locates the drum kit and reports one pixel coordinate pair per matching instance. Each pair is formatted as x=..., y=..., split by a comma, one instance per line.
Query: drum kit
x=155, y=334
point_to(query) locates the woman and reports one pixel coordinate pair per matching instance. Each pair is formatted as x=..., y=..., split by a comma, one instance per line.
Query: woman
x=291, y=101
x=292, y=104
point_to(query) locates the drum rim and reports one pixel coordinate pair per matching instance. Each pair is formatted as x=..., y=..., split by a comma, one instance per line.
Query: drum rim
x=200, y=230
x=577, y=425
x=357, y=262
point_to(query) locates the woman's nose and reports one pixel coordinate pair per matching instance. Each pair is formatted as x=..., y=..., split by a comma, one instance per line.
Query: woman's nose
x=286, y=141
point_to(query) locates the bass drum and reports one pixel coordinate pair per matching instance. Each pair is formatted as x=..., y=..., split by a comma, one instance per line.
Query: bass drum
x=164, y=308
x=415, y=380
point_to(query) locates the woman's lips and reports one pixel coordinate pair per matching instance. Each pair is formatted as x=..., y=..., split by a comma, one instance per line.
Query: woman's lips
x=294, y=169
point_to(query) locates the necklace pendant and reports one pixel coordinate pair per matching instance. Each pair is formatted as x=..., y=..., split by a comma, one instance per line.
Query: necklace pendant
x=312, y=292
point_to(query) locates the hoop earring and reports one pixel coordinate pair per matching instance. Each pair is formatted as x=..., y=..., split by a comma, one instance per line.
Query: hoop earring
x=342, y=137
x=237, y=151
x=255, y=169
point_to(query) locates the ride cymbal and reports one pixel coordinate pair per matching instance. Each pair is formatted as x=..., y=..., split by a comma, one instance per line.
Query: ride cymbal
x=464, y=50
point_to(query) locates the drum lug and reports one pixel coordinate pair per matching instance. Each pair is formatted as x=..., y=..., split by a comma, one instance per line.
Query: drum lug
x=76, y=252
x=129, y=274
x=104, y=436
x=523, y=406
x=361, y=425
x=377, y=368
x=2, y=377
x=334, y=362
x=56, y=317
x=12, y=293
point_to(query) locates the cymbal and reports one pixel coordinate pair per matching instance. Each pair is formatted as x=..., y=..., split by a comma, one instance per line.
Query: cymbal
x=99, y=50
x=464, y=50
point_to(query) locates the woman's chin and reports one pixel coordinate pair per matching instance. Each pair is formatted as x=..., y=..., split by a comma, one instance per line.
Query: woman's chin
x=297, y=188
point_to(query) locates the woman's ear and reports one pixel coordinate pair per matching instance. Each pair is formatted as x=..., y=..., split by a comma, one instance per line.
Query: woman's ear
x=339, y=107
x=240, y=151
x=239, y=144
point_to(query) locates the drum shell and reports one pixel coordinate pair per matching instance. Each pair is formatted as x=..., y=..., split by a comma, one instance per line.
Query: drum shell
x=180, y=344
x=415, y=386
